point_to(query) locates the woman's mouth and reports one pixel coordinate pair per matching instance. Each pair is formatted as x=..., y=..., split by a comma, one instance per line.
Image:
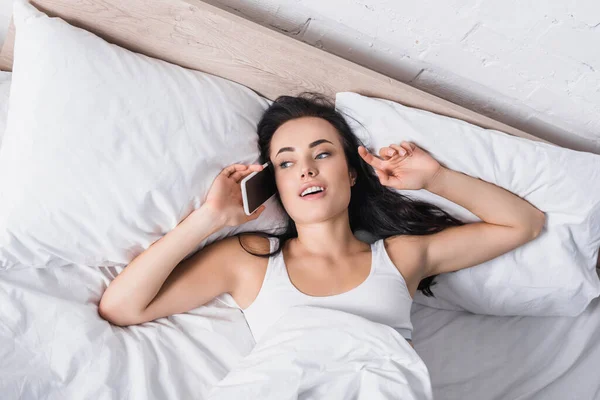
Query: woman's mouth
x=313, y=193
x=314, y=196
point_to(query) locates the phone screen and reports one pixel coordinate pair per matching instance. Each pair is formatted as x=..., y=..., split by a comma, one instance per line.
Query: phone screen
x=257, y=188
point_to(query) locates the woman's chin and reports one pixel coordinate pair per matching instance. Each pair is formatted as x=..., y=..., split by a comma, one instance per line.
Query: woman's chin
x=316, y=213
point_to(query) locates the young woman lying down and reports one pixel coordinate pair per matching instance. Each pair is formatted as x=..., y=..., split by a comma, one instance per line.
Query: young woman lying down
x=330, y=186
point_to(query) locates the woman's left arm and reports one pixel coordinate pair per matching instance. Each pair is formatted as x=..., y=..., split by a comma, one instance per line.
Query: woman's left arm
x=508, y=221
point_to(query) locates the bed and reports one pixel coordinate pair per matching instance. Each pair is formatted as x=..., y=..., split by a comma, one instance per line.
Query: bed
x=62, y=349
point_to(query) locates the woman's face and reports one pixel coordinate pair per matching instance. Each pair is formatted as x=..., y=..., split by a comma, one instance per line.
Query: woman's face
x=307, y=152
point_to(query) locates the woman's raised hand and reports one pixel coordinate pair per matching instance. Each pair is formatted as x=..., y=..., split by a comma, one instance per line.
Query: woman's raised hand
x=404, y=166
x=224, y=197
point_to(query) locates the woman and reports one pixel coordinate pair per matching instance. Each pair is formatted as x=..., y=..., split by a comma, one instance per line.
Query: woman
x=331, y=187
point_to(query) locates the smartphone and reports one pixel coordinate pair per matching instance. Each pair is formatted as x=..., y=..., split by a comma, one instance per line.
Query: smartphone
x=257, y=188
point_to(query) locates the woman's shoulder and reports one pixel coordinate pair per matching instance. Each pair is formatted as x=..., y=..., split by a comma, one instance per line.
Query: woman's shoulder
x=239, y=251
x=251, y=269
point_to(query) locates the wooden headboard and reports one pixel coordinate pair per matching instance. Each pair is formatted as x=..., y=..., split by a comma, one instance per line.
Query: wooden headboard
x=200, y=36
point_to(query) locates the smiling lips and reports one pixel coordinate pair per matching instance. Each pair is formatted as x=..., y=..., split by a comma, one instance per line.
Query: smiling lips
x=312, y=191
x=311, y=184
x=313, y=196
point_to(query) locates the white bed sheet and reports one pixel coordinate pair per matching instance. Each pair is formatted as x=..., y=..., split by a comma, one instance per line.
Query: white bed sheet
x=53, y=345
x=471, y=356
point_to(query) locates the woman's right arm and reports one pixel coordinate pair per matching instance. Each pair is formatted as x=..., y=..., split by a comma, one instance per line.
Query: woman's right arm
x=158, y=284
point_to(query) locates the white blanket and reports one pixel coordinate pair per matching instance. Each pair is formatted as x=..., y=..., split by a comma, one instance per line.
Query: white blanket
x=54, y=345
x=317, y=353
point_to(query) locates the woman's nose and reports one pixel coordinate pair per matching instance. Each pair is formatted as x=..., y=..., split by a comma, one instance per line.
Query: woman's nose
x=309, y=171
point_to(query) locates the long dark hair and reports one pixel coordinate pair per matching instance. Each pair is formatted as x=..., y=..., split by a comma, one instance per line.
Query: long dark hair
x=374, y=208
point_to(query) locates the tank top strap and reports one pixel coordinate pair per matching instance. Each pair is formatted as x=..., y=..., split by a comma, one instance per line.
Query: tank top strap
x=272, y=243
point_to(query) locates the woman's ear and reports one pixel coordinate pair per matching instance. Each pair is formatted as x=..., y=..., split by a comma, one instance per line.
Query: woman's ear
x=353, y=176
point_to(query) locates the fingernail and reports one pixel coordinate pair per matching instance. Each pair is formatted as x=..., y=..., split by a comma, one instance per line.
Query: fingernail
x=390, y=152
x=402, y=152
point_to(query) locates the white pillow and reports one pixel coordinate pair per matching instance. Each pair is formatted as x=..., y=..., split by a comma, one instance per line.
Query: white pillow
x=4, y=94
x=107, y=150
x=552, y=275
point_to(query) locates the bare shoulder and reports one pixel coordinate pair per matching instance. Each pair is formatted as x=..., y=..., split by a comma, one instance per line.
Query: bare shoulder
x=251, y=267
x=407, y=252
x=234, y=254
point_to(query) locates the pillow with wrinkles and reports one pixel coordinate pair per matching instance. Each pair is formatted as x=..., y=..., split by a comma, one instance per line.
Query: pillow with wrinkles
x=554, y=274
x=107, y=150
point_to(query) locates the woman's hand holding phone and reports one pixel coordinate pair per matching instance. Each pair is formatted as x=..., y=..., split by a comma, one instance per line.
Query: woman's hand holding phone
x=224, y=198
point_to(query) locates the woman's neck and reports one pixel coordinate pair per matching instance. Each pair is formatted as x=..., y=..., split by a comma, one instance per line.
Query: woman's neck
x=330, y=238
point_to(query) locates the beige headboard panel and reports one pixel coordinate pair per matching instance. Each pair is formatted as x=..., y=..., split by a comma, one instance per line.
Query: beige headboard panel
x=197, y=35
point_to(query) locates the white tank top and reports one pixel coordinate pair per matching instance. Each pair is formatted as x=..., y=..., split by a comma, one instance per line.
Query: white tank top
x=382, y=297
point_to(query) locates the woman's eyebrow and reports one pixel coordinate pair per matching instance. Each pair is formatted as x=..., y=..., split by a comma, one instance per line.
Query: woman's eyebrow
x=310, y=146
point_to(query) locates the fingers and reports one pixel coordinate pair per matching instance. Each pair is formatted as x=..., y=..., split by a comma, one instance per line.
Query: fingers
x=369, y=158
x=255, y=167
x=237, y=176
x=409, y=147
x=256, y=213
x=386, y=152
x=229, y=170
x=240, y=171
x=401, y=150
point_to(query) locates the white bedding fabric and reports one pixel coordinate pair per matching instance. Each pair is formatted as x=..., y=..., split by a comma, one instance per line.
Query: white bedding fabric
x=481, y=357
x=140, y=139
x=318, y=353
x=53, y=345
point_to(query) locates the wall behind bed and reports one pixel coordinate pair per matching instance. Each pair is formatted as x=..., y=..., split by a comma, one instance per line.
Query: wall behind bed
x=532, y=66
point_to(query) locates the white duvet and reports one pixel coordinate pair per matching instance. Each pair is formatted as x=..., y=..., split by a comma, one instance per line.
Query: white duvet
x=54, y=345
x=318, y=353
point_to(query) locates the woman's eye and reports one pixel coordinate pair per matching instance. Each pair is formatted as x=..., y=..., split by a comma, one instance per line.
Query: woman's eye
x=283, y=163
